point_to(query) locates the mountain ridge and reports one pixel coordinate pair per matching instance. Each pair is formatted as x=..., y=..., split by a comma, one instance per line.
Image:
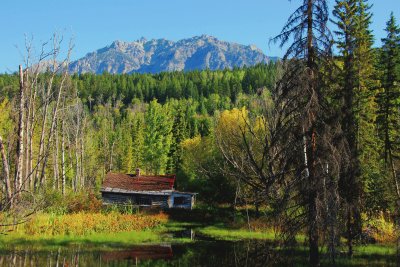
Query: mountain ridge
x=158, y=55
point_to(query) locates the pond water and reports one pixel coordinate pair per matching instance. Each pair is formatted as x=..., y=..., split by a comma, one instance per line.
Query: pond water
x=199, y=253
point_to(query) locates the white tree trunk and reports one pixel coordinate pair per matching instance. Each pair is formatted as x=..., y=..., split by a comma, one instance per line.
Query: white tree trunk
x=20, y=144
x=6, y=171
x=63, y=157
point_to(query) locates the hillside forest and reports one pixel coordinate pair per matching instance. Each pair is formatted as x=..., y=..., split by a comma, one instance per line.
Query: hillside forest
x=312, y=140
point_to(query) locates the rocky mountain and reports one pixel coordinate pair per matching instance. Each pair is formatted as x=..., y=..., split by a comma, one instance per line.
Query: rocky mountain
x=159, y=55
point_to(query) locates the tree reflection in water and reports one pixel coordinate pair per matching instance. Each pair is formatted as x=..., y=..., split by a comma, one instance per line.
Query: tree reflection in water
x=200, y=253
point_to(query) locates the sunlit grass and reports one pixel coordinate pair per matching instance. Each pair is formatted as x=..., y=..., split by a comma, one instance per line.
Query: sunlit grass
x=220, y=232
x=95, y=241
x=172, y=226
x=85, y=223
x=376, y=249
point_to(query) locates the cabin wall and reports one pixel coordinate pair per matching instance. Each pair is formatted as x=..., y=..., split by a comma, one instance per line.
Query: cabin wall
x=183, y=201
x=135, y=199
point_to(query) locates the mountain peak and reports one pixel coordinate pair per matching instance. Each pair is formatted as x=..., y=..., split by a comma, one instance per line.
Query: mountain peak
x=157, y=55
x=142, y=40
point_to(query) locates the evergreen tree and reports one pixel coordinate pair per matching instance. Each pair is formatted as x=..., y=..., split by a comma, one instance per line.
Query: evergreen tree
x=365, y=106
x=179, y=134
x=389, y=100
x=350, y=187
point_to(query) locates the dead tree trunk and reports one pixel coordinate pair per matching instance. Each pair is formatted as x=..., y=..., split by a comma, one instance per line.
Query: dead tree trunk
x=27, y=143
x=46, y=99
x=70, y=167
x=77, y=172
x=49, y=142
x=55, y=159
x=82, y=162
x=6, y=170
x=30, y=130
x=26, y=130
x=77, y=145
x=20, y=144
x=52, y=124
x=62, y=158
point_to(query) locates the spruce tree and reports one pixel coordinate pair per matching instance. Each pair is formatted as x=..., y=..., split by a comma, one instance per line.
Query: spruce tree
x=350, y=188
x=179, y=134
x=389, y=100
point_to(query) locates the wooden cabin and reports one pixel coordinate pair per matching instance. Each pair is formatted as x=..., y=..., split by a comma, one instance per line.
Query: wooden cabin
x=144, y=191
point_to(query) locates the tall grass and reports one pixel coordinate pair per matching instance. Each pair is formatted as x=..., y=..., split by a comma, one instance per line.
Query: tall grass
x=86, y=223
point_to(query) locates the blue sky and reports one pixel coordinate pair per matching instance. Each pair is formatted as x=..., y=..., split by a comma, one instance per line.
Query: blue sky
x=94, y=24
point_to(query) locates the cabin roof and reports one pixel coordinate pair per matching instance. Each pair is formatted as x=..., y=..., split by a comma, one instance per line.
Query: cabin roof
x=131, y=182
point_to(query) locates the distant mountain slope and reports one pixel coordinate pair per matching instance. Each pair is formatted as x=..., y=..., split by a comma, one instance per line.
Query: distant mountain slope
x=155, y=56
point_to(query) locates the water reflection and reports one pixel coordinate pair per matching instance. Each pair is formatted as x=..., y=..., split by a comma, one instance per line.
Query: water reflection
x=199, y=253
x=145, y=252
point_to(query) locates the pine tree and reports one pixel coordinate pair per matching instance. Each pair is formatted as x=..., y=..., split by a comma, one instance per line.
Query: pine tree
x=389, y=100
x=360, y=118
x=365, y=106
x=350, y=187
x=179, y=134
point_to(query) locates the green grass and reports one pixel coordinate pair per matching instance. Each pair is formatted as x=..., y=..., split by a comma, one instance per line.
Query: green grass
x=376, y=249
x=159, y=234
x=95, y=241
x=172, y=226
x=221, y=232
x=370, y=255
x=107, y=240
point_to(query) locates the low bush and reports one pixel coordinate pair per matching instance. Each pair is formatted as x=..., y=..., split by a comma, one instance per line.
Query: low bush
x=380, y=229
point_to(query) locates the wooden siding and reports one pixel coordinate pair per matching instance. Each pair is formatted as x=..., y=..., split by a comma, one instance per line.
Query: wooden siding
x=135, y=199
x=182, y=200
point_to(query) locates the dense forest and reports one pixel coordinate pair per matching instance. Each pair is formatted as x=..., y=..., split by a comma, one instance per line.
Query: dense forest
x=314, y=137
x=120, y=122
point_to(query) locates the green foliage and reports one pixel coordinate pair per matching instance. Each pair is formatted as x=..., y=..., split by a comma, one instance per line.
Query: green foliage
x=223, y=233
x=6, y=123
x=202, y=171
x=138, y=140
x=158, y=137
x=380, y=228
x=389, y=97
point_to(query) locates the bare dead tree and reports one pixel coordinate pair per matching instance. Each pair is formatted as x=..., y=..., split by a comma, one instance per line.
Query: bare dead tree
x=32, y=73
x=64, y=68
x=20, y=144
x=255, y=149
x=46, y=95
x=310, y=54
x=82, y=149
x=63, y=157
x=55, y=157
x=77, y=125
x=6, y=171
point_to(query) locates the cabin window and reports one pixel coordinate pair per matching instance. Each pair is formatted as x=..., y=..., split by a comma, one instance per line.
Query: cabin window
x=180, y=201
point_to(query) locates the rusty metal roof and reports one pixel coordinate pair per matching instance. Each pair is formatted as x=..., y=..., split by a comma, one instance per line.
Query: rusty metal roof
x=130, y=182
